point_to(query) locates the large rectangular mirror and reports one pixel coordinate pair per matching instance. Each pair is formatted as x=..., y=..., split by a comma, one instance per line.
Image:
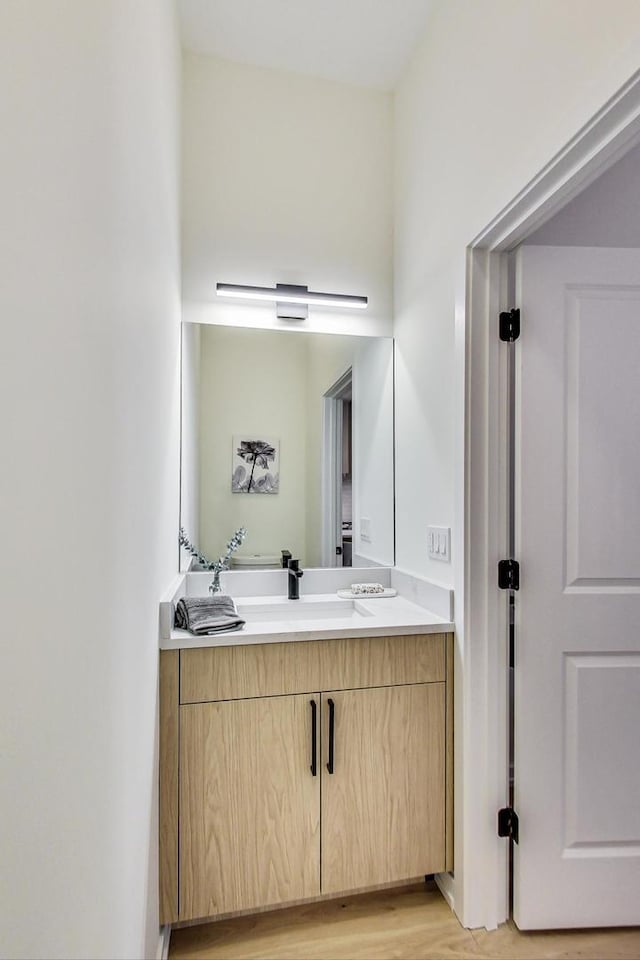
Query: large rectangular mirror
x=289, y=434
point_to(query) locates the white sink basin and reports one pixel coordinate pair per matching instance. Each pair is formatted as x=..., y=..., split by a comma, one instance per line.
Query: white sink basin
x=287, y=610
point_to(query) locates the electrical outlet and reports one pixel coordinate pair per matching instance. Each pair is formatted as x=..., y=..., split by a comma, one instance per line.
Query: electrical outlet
x=439, y=543
x=365, y=529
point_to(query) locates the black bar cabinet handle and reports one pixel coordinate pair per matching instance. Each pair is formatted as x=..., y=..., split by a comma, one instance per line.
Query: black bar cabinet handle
x=314, y=738
x=332, y=725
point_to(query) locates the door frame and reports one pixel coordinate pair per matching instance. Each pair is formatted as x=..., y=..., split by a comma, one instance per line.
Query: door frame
x=331, y=483
x=478, y=891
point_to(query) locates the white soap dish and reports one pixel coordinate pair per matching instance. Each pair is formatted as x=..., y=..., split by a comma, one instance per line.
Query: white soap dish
x=349, y=595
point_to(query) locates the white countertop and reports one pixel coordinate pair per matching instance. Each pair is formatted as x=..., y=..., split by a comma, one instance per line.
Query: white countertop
x=367, y=617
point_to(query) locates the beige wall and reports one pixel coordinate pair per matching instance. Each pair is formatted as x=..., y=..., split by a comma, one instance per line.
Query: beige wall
x=252, y=382
x=285, y=179
x=493, y=91
x=373, y=451
x=328, y=358
x=269, y=383
x=89, y=392
x=272, y=383
x=190, y=435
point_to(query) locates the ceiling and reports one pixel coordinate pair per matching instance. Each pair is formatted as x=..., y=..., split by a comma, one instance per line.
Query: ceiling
x=364, y=42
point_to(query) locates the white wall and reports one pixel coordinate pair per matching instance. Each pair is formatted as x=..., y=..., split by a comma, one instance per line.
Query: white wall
x=285, y=179
x=88, y=488
x=606, y=214
x=471, y=129
x=190, y=435
x=373, y=451
x=493, y=91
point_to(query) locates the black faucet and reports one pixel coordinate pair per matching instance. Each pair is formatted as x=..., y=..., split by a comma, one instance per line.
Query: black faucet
x=294, y=574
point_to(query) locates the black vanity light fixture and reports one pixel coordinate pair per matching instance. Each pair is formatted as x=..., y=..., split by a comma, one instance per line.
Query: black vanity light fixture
x=292, y=300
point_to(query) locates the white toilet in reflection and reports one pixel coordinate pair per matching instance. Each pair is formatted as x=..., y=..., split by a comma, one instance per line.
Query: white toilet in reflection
x=256, y=561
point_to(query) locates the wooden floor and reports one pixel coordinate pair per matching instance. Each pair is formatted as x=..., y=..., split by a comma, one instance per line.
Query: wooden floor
x=414, y=923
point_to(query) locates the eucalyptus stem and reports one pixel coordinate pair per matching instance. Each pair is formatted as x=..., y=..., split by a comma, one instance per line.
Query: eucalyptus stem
x=184, y=541
x=222, y=563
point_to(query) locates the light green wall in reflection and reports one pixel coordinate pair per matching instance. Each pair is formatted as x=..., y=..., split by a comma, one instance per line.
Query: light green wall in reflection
x=270, y=383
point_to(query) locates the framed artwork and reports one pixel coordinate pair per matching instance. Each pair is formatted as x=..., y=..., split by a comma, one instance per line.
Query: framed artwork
x=255, y=465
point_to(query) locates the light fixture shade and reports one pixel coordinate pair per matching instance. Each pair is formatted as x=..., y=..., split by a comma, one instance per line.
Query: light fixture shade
x=290, y=309
x=290, y=293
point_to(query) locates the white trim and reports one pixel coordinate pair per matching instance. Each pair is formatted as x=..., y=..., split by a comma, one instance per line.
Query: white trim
x=162, y=953
x=480, y=885
x=446, y=885
x=331, y=484
x=611, y=133
x=484, y=897
x=331, y=428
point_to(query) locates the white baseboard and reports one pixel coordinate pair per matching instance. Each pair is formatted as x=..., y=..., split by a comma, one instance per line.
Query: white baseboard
x=447, y=886
x=163, y=942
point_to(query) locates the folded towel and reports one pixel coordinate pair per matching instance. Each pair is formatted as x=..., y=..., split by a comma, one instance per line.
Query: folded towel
x=205, y=615
x=358, y=588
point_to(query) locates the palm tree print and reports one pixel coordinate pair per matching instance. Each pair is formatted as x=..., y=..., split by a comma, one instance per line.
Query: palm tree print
x=257, y=453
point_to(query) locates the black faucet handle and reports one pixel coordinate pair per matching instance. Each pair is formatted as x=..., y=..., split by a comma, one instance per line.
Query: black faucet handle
x=286, y=556
x=293, y=579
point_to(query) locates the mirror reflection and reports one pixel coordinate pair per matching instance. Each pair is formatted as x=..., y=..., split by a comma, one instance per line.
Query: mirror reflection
x=289, y=434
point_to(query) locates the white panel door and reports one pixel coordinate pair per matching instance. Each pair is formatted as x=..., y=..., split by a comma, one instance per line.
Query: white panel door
x=577, y=707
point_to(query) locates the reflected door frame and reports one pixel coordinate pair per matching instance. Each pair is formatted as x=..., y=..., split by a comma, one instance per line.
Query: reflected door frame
x=331, y=467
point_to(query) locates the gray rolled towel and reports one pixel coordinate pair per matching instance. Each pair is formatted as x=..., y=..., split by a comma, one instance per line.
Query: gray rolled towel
x=204, y=615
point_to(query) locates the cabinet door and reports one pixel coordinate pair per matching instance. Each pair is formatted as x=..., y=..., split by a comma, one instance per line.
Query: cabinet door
x=249, y=805
x=383, y=804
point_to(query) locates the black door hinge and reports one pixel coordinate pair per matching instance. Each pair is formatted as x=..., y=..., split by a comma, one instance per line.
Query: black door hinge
x=508, y=825
x=509, y=575
x=510, y=325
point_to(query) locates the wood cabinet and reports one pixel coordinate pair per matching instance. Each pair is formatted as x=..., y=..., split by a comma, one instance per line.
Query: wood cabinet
x=383, y=802
x=249, y=807
x=291, y=771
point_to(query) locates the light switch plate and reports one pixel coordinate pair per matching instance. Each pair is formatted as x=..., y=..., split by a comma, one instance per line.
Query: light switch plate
x=365, y=529
x=439, y=543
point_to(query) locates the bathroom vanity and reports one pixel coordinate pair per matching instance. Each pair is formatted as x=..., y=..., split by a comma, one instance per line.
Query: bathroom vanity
x=308, y=754
x=299, y=765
